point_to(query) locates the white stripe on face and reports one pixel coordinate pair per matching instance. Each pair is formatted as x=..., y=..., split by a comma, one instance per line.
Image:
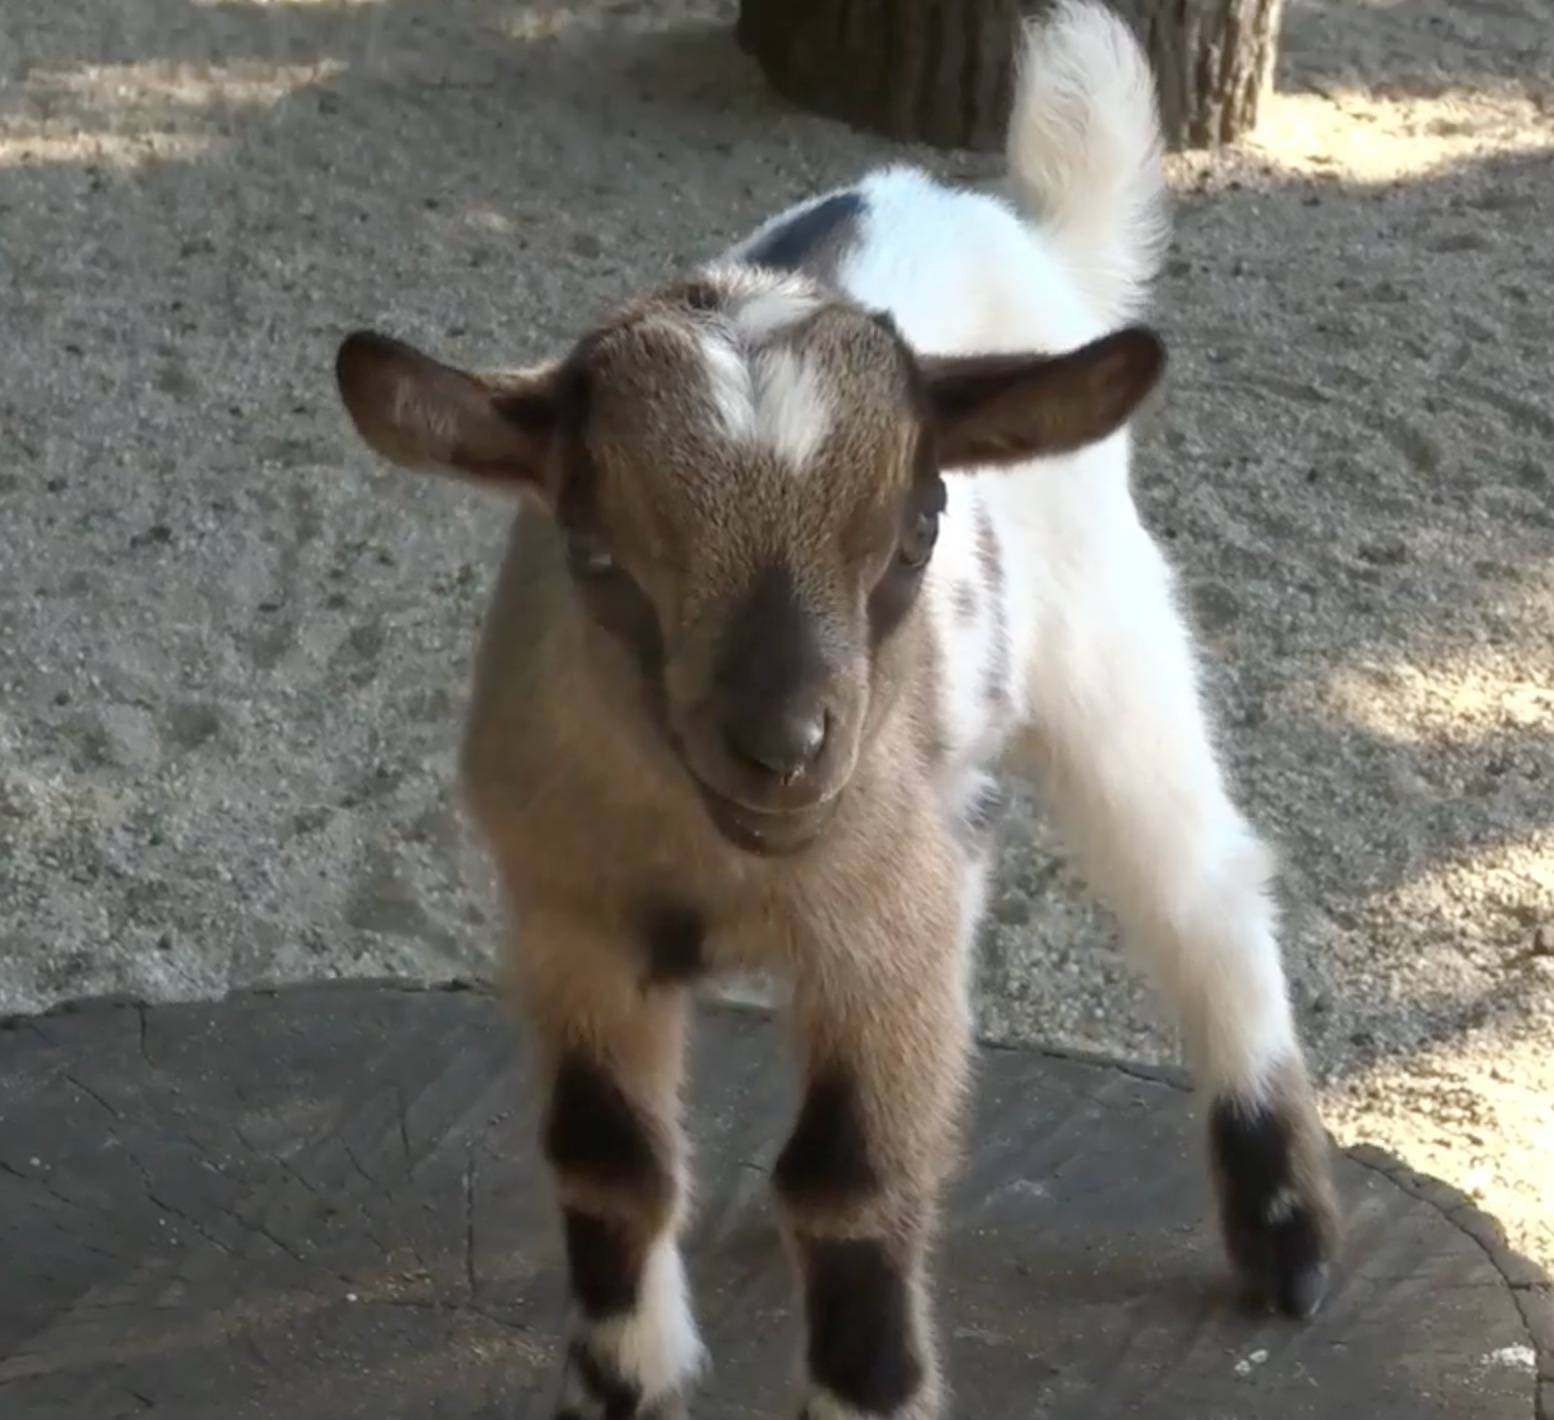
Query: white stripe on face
x=732, y=386
x=759, y=317
x=792, y=412
x=771, y=399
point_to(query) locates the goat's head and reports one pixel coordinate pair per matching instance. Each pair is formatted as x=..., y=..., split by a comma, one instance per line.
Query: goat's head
x=746, y=477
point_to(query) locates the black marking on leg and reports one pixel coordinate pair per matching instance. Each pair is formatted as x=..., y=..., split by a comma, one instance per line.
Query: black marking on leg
x=618, y=1398
x=593, y=1130
x=826, y=1159
x=1275, y=1235
x=673, y=934
x=860, y=1348
x=814, y=238
x=604, y=1259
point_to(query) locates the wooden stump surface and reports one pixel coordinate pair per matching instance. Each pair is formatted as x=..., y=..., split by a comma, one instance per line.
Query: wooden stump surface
x=325, y=1203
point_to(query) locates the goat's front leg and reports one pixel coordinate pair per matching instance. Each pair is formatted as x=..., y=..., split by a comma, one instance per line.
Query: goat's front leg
x=1136, y=788
x=883, y=1035
x=611, y=1051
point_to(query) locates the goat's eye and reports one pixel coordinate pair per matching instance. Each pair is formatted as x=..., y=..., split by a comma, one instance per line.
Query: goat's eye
x=588, y=556
x=920, y=537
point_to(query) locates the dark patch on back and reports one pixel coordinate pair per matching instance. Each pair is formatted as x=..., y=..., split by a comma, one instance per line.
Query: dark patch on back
x=1271, y=1233
x=826, y=1158
x=860, y=1347
x=604, y=1259
x=673, y=934
x=813, y=240
x=594, y=1130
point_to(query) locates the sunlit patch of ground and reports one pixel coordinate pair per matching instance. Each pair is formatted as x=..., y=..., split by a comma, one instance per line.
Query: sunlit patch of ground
x=1449, y=1061
x=1476, y=1106
x=126, y=115
x=1371, y=138
x=1477, y=1111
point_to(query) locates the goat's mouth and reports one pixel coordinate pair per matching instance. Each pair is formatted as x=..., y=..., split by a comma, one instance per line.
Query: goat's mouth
x=767, y=832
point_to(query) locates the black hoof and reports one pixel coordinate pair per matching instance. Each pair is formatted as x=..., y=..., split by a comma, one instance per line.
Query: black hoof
x=1293, y=1284
x=1276, y=1208
x=1301, y=1293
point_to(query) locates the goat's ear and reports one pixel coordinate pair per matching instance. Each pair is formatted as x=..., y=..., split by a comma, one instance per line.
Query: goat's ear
x=420, y=413
x=989, y=409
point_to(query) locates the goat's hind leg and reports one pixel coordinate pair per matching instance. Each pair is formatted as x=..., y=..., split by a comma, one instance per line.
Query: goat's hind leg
x=612, y=1056
x=1133, y=781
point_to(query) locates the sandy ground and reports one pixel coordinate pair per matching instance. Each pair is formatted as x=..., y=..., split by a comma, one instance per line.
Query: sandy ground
x=233, y=654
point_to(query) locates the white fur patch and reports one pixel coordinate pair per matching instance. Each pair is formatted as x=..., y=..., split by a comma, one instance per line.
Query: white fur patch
x=792, y=412
x=657, y=1346
x=1084, y=151
x=769, y=398
x=981, y=664
x=733, y=388
x=763, y=314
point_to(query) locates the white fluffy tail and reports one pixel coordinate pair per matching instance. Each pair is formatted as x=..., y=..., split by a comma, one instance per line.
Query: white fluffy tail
x=1084, y=151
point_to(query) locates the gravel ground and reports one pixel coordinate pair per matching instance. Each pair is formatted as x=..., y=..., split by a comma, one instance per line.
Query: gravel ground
x=233, y=654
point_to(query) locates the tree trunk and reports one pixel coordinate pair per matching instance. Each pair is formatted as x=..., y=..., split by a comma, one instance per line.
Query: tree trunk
x=939, y=71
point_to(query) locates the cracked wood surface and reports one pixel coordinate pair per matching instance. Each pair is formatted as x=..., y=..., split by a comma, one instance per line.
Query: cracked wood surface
x=325, y=1202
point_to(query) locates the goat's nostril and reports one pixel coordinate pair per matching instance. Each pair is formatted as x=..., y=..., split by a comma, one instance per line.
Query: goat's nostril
x=783, y=743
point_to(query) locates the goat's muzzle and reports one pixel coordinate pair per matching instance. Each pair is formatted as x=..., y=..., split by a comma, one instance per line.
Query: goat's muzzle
x=771, y=834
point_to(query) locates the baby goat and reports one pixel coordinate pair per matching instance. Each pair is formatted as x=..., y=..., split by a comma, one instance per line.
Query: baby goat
x=808, y=542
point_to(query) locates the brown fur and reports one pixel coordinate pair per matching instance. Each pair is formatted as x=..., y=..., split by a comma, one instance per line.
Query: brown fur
x=595, y=746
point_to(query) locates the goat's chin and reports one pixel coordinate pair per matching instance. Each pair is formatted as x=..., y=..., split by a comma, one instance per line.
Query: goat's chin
x=768, y=835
